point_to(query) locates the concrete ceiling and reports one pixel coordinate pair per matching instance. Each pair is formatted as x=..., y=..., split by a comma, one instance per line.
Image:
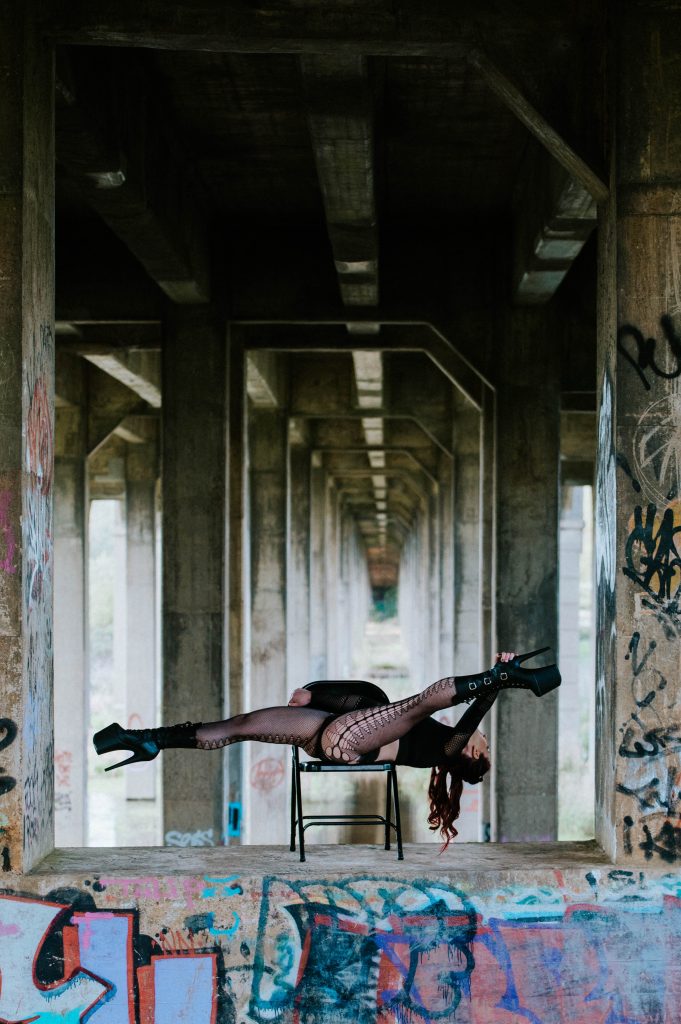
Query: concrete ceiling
x=352, y=162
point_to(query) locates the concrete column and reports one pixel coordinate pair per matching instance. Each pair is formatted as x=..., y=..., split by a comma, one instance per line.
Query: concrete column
x=194, y=504
x=331, y=571
x=237, y=579
x=527, y=579
x=468, y=538
x=638, y=514
x=140, y=570
x=71, y=704
x=26, y=438
x=447, y=566
x=266, y=766
x=120, y=604
x=298, y=566
x=318, y=599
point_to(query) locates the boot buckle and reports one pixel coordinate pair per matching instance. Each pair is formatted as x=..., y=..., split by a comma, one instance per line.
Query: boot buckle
x=487, y=680
x=472, y=685
x=503, y=676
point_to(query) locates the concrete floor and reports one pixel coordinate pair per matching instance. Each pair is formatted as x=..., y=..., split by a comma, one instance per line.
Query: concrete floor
x=355, y=860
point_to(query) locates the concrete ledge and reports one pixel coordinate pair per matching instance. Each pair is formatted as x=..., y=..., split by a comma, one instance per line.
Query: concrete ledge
x=244, y=935
x=419, y=859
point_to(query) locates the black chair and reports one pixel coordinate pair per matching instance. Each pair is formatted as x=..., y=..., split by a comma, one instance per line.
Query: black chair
x=371, y=696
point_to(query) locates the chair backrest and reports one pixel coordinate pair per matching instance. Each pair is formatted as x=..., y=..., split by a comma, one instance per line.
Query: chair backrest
x=361, y=687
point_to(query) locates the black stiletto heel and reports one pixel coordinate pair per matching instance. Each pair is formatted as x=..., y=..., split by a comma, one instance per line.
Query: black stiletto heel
x=143, y=744
x=540, y=680
x=510, y=675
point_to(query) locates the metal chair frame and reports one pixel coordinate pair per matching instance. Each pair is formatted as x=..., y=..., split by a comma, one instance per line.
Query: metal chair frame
x=300, y=821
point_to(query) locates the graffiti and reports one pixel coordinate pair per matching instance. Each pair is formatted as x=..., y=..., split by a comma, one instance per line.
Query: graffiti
x=37, y=583
x=8, y=733
x=623, y=464
x=652, y=558
x=267, y=774
x=656, y=450
x=201, y=837
x=666, y=843
x=359, y=950
x=644, y=356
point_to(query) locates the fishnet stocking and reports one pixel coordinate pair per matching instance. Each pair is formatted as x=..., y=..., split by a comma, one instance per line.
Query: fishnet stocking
x=297, y=726
x=349, y=736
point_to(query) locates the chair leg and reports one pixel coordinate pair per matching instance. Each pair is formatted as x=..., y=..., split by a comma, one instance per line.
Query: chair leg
x=398, y=823
x=301, y=833
x=293, y=805
x=387, y=810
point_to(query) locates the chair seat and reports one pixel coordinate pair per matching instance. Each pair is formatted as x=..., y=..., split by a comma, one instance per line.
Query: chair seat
x=322, y=766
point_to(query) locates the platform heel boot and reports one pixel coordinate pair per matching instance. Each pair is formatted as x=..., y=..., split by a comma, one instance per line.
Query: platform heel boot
x=143, y=744
x=510, y=675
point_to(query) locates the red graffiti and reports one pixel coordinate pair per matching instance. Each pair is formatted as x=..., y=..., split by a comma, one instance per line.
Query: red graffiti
x=39, y=438
x=267, y=774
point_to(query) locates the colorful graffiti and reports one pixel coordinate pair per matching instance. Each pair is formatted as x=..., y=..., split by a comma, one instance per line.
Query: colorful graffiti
x=37, y=584
x=649, y=764
x=362, y=950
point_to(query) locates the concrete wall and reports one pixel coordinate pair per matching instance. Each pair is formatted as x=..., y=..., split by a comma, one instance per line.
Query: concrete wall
x=222, y=942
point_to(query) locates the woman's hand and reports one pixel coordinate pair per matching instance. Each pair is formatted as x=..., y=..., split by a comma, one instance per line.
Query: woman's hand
x=299, y=698
x=506, y=656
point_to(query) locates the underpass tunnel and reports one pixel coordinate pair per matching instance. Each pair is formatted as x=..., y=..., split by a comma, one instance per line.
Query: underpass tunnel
x=269, y=469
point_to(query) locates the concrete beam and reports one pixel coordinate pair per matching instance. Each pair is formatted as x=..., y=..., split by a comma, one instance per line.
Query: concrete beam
x=109, y=404
x=226, y=26
x=516, y=100
x=555, y=214
x=340, y=119
x=136, y=181
x=139, y=371
x=411, y=336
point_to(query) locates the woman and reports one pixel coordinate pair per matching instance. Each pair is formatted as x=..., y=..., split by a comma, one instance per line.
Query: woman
x=402, y=731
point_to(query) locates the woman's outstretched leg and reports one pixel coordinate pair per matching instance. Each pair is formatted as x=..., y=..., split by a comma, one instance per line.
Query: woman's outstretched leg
x=291, y=725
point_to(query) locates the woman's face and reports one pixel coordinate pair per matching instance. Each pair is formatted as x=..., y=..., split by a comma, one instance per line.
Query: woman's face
x=477, y=745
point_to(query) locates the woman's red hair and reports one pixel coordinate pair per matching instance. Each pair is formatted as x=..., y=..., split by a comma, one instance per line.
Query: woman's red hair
x=445, y=798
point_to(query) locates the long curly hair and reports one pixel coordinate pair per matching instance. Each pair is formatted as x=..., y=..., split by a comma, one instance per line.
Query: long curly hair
x=445, y=796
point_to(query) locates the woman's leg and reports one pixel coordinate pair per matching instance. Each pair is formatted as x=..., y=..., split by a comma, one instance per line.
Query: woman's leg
x=299, y=726
x=347, y=737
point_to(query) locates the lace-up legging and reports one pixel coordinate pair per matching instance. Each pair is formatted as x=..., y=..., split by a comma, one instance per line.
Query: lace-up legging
x=346, y=738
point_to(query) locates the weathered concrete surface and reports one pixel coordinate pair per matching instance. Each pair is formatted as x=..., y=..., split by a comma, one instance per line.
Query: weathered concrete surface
x=352, y=935
x=265, y=766
x=26, y=437
x=194, y=474
x=141, y=672
x=525, y=742
x=638, y=512
x=70, y=611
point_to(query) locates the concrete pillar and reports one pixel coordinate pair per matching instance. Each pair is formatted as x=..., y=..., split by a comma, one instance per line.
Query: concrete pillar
x=527, y=580
x=298, y=566
x=266, y=766
x=140, y=583
x=318, y=599
x=468, y=542
x=447, y=587
x=120, y=606
x=71, y=704
x=26, y=438
x=332, y=571
x=194, y=526
x=638, y=513
x=237, y=579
